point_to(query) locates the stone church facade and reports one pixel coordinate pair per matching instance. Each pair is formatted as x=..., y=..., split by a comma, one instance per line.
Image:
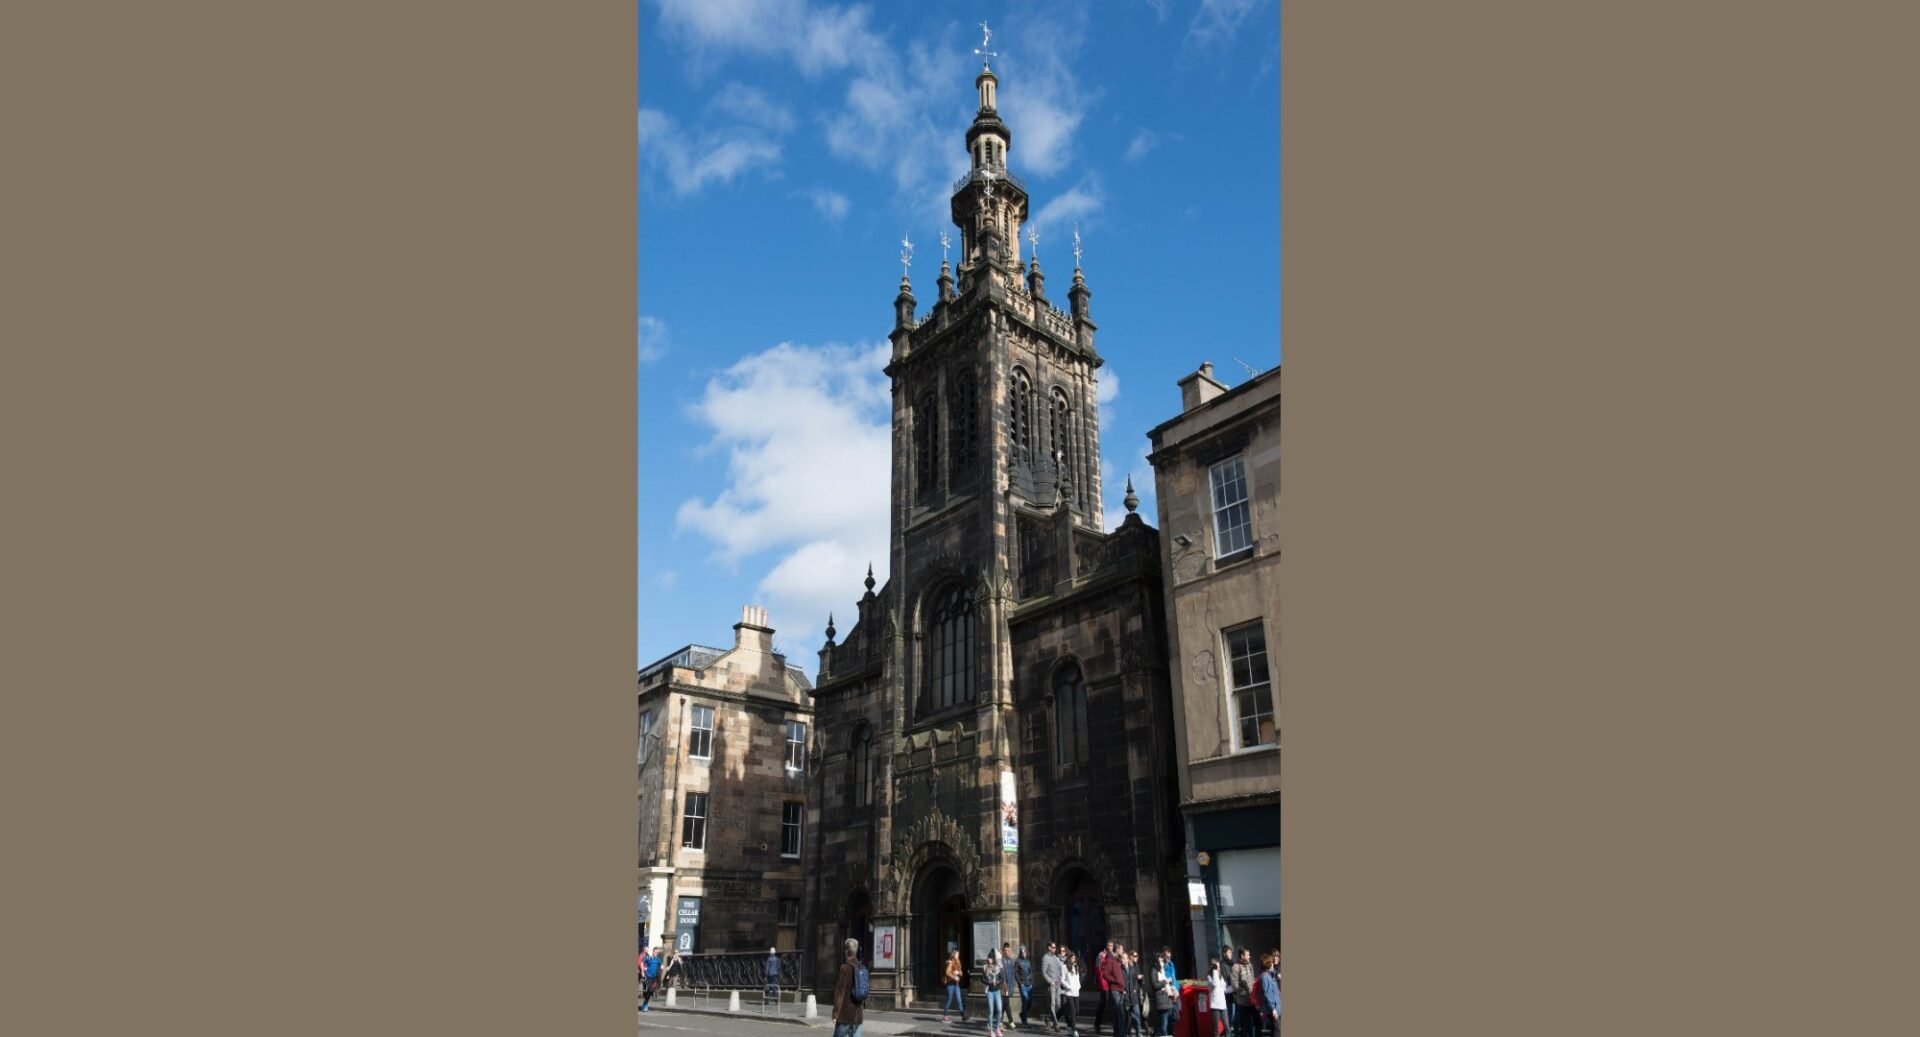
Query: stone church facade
x=996, y=754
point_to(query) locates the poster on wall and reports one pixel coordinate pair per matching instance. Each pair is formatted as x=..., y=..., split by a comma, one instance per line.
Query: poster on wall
x=884, y=952
x=986, y=937
x=1009, y=815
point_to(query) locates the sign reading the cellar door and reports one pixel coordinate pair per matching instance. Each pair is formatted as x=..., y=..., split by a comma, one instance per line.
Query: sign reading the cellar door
x=1009, y=815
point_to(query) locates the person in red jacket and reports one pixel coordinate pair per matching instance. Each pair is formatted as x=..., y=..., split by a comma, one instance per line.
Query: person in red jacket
x=1113, y=979
x=1100, y=979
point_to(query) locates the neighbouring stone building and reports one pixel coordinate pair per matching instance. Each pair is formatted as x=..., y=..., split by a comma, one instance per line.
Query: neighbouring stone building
x=1217, y=481
x=996, y=760
x=724, y=738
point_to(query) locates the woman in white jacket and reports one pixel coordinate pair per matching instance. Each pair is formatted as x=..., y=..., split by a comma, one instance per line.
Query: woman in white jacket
x=1217, y=996
x=1070, y=991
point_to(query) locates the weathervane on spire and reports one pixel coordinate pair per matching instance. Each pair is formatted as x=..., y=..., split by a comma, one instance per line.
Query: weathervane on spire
x=1076, y=246
x=1033, y=241
x=906, y=253
x=986, y=56
x=943, y=246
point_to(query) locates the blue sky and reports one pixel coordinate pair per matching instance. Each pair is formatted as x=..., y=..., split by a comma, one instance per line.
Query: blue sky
x=787, y=145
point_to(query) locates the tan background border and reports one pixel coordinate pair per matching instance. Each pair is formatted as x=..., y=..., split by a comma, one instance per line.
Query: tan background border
x=321, y=523
x=320, y=505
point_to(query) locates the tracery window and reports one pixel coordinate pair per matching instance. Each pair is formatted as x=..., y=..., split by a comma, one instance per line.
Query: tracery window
x=965, y=435
x=949, y=648
x=1070, y=717
x=1020, y=415
x=926, y=442
x=1062, y=435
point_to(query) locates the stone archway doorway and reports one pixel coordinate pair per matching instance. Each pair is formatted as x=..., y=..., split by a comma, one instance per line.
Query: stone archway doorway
x=940, y=925
x=1083, y=916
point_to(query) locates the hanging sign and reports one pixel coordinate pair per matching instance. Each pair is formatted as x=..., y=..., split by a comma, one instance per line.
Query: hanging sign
x=1009, y=815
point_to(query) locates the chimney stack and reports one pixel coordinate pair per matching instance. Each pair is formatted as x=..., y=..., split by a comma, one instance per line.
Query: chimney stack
x=1199, y=387
x=752, y=631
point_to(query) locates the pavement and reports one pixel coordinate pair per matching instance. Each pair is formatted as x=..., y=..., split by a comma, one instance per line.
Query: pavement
x=753, y=1020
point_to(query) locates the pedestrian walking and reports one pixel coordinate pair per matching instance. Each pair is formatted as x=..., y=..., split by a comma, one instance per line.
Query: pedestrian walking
x=1113, y=981
x=1023, y=982
x=1246, y=1022
x=1217, y=1000
x=649, y=978
x=675, y=969
x=1165, y=997
x=1009, y=985
x=1270, y=991
x=772, y=994
x=1100, y=979
x=1070, y=991
x=1226, y=969
x=954, y=973
x=1051, y=969
x=992, y=976
x=1173, y=978
x=849, y=993
x=1138, y=994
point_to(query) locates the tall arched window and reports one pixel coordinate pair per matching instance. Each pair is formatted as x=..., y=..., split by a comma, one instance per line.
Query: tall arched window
x=860, y=789
x=1069, y=717
x=926, y=442
x=1020, y=415
x=965, y=433
x=949, y=648
x=1062, y=435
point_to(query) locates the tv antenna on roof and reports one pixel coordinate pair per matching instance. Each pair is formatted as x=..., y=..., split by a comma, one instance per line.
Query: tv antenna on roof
x=1251, y=373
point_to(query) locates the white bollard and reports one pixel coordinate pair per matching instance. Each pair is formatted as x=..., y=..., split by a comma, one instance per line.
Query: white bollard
x=813, y=1010
x=733, y=1001
x=670, y=992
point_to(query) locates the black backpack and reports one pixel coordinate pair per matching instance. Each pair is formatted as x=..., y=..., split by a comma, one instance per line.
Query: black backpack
x=859, y=992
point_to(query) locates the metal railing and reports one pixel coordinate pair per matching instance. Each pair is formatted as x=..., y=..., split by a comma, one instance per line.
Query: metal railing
x=998, y=174
x=709, y=982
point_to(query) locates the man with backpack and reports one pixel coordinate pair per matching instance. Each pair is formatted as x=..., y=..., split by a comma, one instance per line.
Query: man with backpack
x=850, y=994
x=1246, y=1021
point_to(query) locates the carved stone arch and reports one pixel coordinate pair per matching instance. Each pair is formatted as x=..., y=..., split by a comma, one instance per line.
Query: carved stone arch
x=1042, y=874
x=933, y=837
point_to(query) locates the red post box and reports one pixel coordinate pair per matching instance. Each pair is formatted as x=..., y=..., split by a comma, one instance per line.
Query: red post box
x=1195, y=1021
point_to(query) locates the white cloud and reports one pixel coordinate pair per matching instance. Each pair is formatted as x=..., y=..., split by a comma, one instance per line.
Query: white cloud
x=689, y=159
x=1042, y=99
x=906, y=105
x=1217, y=20
x=653, y=339
x=1078, y=204
x=807, y=434
x=751, y=106
x=666, y=580
x=1159, y=9
x=832, y=204
x=1146, y=140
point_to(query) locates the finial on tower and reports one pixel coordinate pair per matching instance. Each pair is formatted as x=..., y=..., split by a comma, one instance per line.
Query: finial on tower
x=906, y=254
x=830, y=630
x=1131, y=500
x=944, y=242
x=869, y=577
x=1033, y=242
x=1076, y=248
x=986, y=56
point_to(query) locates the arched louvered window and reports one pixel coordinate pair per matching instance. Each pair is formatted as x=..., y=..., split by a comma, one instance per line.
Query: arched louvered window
x=860, y=766
x=1062, y=435
x=926, y=442
x=1020, y=415
x=949, y=648
x=1069, y=717
x=965, y=434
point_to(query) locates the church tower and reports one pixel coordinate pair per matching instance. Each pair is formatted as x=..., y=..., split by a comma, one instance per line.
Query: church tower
x=941, y=709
